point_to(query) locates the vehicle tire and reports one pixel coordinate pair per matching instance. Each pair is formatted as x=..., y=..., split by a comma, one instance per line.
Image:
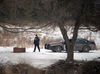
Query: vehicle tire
x=86, y=49
x=80, y=51
x=58, y=49
x=52, y=48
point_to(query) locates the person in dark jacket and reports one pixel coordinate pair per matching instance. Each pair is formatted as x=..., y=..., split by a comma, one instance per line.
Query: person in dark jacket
x=36, y=43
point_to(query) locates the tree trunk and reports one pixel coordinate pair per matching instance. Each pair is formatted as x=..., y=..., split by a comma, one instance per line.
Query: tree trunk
x=70, y=44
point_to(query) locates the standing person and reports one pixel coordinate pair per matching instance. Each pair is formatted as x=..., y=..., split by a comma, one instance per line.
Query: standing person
x=36, y=43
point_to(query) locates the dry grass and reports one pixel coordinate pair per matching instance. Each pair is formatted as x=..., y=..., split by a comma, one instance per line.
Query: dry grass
x=61, y=67
x=18, y=40
x=20, y=69
x=91, y=67
x=75, y=67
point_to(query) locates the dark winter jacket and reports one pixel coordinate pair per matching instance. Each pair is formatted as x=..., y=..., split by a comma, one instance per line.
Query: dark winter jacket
x=36, y=40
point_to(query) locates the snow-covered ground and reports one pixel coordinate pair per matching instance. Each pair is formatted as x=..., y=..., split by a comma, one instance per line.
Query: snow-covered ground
x=41, y=59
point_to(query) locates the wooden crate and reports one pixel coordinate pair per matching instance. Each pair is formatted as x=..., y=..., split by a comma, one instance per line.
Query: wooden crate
x=18, y=50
